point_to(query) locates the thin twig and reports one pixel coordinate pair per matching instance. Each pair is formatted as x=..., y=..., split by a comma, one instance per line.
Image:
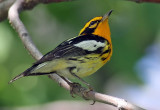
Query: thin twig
x=17, y=24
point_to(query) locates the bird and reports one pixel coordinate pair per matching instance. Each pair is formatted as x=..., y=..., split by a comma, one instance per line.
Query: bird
x=79, y=56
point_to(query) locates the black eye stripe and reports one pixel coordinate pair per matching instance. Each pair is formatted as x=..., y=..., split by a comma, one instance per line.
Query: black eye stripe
x=90, y=29
x=93, y=22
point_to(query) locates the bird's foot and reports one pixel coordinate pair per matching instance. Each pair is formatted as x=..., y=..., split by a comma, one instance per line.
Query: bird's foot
x=76, y=88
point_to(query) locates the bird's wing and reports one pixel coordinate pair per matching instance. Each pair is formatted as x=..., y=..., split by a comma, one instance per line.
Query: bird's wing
x=64, y=50
x=77, y=46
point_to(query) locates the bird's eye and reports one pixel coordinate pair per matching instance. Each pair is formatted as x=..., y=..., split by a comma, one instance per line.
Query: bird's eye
x=93, y=24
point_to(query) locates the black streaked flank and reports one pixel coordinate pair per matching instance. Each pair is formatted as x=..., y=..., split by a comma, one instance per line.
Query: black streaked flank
x=71, y=69
x=103, y=58
x=106, y=51
x=76, y=59
x=91, y=58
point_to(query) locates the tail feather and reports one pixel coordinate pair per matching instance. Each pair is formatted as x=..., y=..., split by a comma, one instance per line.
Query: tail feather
x=25, y=73
x=17, y=77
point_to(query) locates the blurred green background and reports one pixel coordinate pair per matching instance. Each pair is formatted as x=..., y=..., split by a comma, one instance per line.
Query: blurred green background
x=133, y=28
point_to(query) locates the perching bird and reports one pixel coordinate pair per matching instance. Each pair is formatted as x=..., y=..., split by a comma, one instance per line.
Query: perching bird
x=79, y=56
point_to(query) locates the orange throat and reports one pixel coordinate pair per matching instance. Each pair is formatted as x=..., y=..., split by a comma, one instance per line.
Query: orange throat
x=104, y=31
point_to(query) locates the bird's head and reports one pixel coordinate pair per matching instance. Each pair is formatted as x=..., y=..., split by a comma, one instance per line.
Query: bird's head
x=98, y=26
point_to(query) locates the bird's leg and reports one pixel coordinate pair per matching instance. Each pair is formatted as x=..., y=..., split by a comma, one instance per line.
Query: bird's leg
x=72, y=86
x=71, y=69
x=89, y=86
x=83, y=81
x=76, y=87
x=79, y=87
x=83, y=90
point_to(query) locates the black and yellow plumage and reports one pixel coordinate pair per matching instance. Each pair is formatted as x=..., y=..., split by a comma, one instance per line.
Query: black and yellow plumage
x=79, y=56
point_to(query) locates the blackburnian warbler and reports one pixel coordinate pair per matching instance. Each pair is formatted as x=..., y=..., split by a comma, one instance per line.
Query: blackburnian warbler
x=77, y=57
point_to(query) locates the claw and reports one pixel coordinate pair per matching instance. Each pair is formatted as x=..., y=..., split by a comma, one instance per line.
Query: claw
x=77, y=87
x=73, y=87
x=93, y=102
x=86, y=92
x=90, y=88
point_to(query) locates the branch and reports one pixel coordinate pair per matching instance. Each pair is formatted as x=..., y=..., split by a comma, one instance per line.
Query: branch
x=4, y=6
x=13, y=16
x=17, y=24
x=27, y=4
x=141, y=1
x=121, y=104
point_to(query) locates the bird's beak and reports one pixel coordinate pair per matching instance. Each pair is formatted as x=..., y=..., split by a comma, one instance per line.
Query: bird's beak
x=106, y=16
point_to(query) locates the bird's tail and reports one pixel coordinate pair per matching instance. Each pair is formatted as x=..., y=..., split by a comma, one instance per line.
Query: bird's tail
x=17, y=77
x=25, y=73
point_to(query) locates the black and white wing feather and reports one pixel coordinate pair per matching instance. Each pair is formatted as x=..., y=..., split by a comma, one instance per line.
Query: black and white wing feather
x=78, y=46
